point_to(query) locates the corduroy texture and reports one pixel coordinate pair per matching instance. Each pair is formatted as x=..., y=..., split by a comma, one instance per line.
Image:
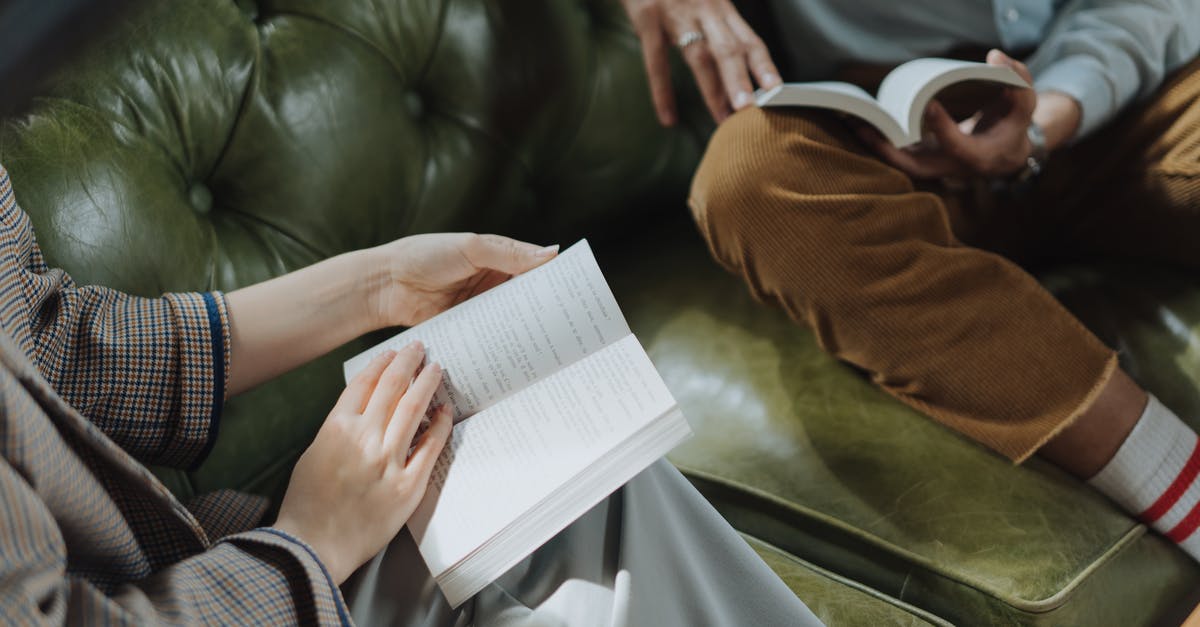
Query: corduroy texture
x=917, y=284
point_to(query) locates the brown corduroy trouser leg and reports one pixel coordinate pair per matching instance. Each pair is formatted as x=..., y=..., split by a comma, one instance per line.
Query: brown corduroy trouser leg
x=918, y=285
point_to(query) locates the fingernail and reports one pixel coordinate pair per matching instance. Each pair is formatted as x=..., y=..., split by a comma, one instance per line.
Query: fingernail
x=741, y=100
x=769, y=80
x=386, y=355
x=417, y=347
x=548, y=251
x=667, y=119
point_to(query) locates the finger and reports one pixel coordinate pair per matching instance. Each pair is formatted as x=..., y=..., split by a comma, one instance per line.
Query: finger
x=951, y=140
x=1024, y=100
x=1007, y=144
x=394, y=382
x=994, y=147
x=729, y=54
x=656, y=57
x=354, y=397
x=757, y=55
x=699, y=60
x=996, y=56
x=507, y=255
x=426, y=454
x=406, y=418
x=705, y=71
x=917, y=164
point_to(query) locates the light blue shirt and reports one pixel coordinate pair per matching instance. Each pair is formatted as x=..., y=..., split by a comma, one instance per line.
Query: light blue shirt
x=1103, y=53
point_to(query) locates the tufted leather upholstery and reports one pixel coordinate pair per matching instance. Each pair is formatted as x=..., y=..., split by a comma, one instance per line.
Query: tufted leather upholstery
x=212, y=144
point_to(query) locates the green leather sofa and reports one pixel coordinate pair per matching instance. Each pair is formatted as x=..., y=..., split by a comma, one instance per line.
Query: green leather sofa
x=210, y=144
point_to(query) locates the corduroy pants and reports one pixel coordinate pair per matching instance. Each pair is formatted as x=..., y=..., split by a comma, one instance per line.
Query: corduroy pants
x=922, y=284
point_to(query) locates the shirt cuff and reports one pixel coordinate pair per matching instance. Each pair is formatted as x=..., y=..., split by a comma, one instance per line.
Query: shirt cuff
x=202, y=323
x=1083, y=78
x=328, y=600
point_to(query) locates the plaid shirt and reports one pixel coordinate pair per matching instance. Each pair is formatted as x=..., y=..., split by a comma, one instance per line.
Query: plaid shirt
x=91, y=382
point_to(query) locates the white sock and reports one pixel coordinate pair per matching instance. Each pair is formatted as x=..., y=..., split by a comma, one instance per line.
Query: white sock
x=1154, y=476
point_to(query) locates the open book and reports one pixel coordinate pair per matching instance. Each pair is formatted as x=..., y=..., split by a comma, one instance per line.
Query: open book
x=556, y=406
x=899, y=107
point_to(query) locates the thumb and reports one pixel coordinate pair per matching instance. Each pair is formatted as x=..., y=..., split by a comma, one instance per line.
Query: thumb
x=507, y=255
x=1024, y=100
x=997, y=57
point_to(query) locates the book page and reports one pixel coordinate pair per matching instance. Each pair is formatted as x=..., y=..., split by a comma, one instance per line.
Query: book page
x=514, y=454
x=840, y=97
x=906, y=90
x=516, y=333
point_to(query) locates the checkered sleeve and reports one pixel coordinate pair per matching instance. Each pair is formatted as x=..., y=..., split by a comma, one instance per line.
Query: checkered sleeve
x=253, y=578
x=150, y=372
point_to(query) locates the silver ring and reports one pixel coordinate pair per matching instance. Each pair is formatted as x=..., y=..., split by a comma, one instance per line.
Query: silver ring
x=689, y=38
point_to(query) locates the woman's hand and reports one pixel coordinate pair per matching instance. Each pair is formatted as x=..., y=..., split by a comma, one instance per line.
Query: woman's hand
x=282, y=323
x=423, y=275
x=356, y=486
x=993, y=143
x=724, y=61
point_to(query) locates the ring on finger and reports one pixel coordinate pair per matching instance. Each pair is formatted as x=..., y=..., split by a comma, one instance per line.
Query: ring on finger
x=689, y=38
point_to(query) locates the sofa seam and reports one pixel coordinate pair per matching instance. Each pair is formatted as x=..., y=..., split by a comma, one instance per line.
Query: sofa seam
x=856, y=585
x=1041, y=606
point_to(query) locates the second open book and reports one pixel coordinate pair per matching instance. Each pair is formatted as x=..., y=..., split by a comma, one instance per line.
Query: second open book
x=898, y=108
x=556, y=406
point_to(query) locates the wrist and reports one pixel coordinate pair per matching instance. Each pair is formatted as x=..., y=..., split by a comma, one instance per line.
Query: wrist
x=351, y=291
x=1058, y=115
x=373, y=284
x=323, y=554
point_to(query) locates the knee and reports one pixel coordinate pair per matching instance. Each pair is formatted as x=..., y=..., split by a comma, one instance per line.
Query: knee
x=730, y=173
x=790, y=161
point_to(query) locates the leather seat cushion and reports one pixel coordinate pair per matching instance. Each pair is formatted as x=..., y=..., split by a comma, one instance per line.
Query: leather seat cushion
x=838, y=601
x=806, y=454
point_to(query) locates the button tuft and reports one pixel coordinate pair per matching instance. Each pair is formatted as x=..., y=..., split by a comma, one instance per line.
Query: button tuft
x=200, y=198
x=249, y=8
x=414, y=104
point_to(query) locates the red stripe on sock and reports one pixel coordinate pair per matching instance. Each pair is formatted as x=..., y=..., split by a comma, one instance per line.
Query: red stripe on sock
x=1175, y=490
x=1186, y=526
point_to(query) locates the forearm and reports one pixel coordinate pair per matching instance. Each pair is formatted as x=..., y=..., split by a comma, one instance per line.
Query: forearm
x=287, y=321
x=1107, y=53
x=1059, y=116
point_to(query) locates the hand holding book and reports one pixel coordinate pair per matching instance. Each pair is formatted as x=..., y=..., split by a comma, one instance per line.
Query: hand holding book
x=359, y=462
x=926, y=138
x=556, y=406
x=992, y=143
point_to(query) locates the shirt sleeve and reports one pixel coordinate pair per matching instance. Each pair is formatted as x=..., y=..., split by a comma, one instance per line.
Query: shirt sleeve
x=1107, y=53
x=150, y=372
x=253, y=578
x=258, y=577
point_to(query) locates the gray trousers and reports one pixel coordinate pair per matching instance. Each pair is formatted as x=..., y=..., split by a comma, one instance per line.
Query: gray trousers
x=654, y=554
